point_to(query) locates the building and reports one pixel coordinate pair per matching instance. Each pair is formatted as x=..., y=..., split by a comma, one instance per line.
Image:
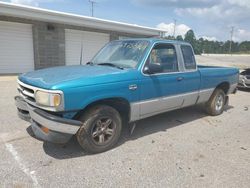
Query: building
x=33, y=38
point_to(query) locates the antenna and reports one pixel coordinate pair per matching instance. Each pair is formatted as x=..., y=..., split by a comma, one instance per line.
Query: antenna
x=231, y=32
x=92, y=7
x=81, y=53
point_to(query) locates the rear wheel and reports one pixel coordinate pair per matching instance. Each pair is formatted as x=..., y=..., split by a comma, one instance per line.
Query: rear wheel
x=216, y=103
x=101, y=129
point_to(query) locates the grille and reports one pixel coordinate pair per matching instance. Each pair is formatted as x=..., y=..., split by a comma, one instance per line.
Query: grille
x=26, y=92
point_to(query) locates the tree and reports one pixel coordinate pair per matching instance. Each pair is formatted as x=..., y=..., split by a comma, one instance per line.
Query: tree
x=179, y=37
x=244, y=46
x=190, y=37
x=169, y=37
x=205, y=46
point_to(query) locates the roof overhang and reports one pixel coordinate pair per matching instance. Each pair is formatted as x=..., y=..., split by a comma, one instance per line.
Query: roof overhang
x=33, y=13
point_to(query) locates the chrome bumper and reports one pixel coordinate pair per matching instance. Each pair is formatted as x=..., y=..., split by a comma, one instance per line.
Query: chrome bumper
x=57, y=126
x=243, y=83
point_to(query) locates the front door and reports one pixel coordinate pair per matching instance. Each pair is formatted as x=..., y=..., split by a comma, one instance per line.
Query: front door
x=162, y=91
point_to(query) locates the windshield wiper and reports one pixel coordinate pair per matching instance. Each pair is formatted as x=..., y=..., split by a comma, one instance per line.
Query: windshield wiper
x=90, y=63
x=111, y=64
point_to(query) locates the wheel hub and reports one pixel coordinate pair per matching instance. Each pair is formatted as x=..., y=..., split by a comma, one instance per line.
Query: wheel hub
x=219, y=103
x=103, y=131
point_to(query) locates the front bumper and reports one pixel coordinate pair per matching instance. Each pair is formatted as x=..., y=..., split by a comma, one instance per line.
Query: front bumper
x=244, y=83
x=46, y=126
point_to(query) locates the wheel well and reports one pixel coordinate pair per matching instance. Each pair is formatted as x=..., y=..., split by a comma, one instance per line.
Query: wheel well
x=120, y=104
x=224, y=86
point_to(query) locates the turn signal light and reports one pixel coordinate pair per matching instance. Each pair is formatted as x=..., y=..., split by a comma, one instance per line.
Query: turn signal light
x=45, y=129
x=57, y=100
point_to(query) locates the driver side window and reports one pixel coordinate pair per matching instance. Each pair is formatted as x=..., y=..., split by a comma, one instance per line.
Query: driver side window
x=165, y=55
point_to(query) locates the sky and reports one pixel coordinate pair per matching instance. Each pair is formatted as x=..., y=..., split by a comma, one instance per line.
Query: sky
x=210, y=19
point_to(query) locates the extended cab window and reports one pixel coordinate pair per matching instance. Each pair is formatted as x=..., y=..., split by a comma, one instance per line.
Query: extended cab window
x=165, y=55
x=188, y=57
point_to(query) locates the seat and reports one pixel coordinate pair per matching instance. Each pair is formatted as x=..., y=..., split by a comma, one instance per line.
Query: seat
x=169, y=63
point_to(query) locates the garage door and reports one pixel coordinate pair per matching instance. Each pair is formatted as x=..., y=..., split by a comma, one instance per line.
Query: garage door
x=16, y=48
x=81, y=46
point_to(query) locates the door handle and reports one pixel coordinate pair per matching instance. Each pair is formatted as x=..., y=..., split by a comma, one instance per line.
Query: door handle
x=132, y=87
x=179, y=79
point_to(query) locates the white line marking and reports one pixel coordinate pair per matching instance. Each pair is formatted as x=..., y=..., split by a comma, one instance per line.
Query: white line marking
x=15, y=155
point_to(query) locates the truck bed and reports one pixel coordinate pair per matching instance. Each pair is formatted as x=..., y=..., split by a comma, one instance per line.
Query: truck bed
x=211, y=76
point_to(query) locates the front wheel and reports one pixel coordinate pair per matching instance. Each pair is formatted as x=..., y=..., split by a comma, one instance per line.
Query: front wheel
x=101, y=129
x=216, y=103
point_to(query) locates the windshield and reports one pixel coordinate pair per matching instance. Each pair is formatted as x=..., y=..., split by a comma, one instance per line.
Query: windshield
x=124, y=54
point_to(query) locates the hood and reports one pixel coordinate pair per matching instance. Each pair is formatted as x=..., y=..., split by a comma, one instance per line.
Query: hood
x=75, y=76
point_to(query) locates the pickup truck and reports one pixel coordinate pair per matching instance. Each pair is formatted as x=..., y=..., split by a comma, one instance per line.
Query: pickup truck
x=127, y=80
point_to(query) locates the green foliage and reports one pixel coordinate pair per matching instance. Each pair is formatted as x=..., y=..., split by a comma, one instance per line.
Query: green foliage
x=169, y=37
x=244, y=47
x=179, y=37
x=216, y=47
x=190, y=37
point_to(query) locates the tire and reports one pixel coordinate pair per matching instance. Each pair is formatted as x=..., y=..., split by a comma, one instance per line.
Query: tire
x=101, y=129
x=216, y=103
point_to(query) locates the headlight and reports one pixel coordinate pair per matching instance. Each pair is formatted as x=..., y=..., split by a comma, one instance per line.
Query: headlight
x=48, y=99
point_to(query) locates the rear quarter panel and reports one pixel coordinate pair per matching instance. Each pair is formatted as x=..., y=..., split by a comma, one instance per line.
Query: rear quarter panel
x=211, y=77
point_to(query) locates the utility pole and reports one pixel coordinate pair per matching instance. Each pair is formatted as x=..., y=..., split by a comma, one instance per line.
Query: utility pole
x=92, y=7
x=231, y=40
x=174, y=28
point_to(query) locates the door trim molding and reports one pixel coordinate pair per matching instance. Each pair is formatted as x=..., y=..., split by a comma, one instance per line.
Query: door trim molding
x=203, y=96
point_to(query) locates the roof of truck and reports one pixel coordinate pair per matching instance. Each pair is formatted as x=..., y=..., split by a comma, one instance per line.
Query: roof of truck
x=153, y=40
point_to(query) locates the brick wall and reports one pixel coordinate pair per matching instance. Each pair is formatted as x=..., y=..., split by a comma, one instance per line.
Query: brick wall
x=49, y=45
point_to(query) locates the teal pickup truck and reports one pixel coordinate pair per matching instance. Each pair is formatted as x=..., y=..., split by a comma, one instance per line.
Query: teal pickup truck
x=126, y=81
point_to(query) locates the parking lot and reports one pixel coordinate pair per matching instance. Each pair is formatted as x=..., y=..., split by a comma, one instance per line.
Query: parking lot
x=241, y=61
x=183, y=148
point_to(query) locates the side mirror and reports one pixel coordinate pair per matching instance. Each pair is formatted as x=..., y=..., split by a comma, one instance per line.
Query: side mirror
x=153, y=68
